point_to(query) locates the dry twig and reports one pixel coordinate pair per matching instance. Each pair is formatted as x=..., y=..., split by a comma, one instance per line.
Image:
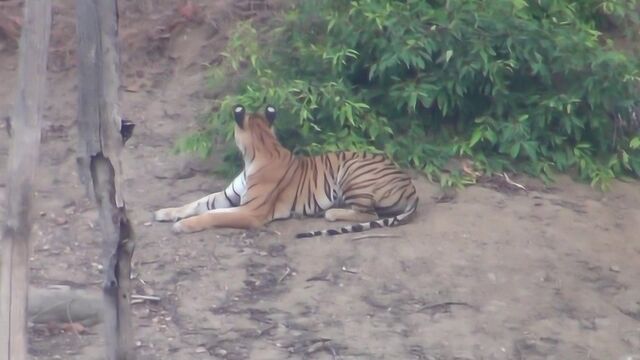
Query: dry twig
x=347, y=270
x=511, y=182
x=286, y=273
x=136, y=299
x=368, y=236
x=443, y=307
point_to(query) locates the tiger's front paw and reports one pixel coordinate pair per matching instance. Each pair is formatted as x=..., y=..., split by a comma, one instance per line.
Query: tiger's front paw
x=185, y=227
x=168, y=214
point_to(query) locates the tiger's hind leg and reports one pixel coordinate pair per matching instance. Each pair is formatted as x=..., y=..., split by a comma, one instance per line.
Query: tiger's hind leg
x=349, y=215
x=230, y=197
x=361, y=209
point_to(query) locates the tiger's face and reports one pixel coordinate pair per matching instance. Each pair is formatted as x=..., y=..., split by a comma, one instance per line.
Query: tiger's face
x=254, y=131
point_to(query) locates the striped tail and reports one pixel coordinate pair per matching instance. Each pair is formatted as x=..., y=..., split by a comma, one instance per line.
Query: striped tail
x=399, y=219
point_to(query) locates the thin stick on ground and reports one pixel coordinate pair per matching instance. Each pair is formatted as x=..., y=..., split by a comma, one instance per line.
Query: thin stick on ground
x=136, y=299
x=444, y=306
x=372, y=236
x=286, y=273
x=70, y=319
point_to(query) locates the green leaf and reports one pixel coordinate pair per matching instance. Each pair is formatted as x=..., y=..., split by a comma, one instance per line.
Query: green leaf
x=625, y=160
x=448, y=55
x=514, y=150
x=491, y=136
x=519, y=4
x=476, y=136
x=530, y=148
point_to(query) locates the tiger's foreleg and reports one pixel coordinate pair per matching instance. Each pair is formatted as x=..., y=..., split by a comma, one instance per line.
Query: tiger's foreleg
x=193, y=208
x=237, y=217
x=228, y=198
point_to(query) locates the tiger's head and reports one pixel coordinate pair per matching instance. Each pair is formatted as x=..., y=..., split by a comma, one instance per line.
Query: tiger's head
x=254, y=133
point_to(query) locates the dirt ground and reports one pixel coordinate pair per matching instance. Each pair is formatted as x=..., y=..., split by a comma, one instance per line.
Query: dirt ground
x=552, y=273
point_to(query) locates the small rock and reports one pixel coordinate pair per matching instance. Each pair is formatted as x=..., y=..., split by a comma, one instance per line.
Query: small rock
x=276, y=250
x=633, y=339
x=210, y=94
x=201, y=349
x=220, y=352
x=184, y=173
x=588, y=324
x=60, y=220
x=148, y=223
x=492, y=277
x=463, y=355
x=630, y=357
x=614, y=268
x=189, y=10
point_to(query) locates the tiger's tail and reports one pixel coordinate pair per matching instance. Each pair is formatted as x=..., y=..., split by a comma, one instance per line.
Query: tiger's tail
x=396, y=220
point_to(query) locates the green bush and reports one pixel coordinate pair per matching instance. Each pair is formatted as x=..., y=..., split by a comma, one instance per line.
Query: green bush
x=519, y=85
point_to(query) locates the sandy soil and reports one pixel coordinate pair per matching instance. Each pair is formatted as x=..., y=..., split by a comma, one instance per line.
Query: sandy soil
x=552, y=273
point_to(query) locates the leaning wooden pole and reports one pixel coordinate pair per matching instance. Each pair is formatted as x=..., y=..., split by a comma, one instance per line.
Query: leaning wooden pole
x=23, y=161
x=102, y=134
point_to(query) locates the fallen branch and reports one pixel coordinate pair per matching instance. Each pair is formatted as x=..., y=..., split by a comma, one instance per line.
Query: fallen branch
x=64, y=305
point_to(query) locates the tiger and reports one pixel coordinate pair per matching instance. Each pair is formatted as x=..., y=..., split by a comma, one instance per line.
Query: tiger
x=366, y=189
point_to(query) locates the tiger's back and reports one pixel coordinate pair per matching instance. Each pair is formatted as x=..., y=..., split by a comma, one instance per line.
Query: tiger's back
x=350, y=186
x=370, y=182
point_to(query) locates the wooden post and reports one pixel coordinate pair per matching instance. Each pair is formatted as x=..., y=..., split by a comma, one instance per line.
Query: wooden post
x=23, y=161
x=102, y=134
x=21, y=169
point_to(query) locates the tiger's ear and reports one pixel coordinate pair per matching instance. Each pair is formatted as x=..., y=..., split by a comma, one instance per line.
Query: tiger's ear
x=270, y=114
x=238, y=115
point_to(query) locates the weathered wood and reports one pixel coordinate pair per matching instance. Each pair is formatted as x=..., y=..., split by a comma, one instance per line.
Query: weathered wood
x=65, y=305
x=23, y=161
x=61, y=304
x=100, y=126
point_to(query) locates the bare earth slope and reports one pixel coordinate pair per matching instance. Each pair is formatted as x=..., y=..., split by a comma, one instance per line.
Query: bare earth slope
x=552, y=273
